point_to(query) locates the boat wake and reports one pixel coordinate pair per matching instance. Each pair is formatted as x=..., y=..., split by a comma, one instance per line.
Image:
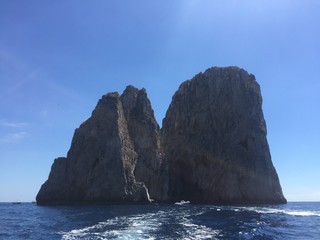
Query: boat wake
x=187, y=221
x=145, y=226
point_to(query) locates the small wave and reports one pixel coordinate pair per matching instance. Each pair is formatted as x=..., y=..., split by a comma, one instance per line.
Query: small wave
x=293, y=212
x=282, y=211
x=195, y=231
x=303, y=213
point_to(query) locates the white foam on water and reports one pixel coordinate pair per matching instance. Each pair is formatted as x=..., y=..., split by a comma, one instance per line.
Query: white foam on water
x=191, y=230
x=131, y=227
x=143, y=226
x=303, y=213
x=281, y=211
x=195, y=231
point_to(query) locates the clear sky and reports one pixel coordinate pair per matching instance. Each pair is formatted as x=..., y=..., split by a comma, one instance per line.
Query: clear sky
x=57, y=58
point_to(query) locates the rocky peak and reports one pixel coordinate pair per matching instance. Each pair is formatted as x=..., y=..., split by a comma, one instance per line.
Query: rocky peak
x=129, y=98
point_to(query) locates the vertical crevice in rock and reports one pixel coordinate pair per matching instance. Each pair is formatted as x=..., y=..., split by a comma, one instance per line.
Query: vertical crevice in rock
x=144, y=132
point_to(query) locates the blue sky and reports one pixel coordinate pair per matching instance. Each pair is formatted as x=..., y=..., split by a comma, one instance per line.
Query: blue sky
x=57, y=58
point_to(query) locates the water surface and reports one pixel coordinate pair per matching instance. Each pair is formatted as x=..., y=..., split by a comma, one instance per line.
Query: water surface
x=187, y=221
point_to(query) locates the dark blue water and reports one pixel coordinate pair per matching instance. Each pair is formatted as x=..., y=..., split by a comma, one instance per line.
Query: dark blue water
x=290, y=221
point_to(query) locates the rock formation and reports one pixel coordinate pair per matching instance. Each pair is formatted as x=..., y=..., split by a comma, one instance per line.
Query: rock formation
x=151, y=167
x=120, y=140
x=214, y=136
x=212, y=148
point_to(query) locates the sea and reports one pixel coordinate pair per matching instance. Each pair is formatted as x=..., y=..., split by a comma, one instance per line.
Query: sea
x=295, y=220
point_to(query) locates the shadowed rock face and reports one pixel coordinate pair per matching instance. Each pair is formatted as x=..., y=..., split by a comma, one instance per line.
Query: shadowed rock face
x=120, y=137
x=214, y=137
x=151, y=167
x=212, y=148
x=56, y=188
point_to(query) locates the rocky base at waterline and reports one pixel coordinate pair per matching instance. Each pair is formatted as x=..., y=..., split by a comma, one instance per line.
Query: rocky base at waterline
x=212, y=148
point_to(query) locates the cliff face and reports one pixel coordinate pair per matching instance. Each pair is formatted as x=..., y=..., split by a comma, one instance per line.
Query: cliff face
x=56, y=188
x=214, y=136
x=151, y=167
x=120, y=140
x=212, y=148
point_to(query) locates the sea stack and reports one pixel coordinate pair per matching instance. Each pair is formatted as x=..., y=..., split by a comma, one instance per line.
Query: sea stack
x=117, y=143
x=214, y=137
x=212, y=148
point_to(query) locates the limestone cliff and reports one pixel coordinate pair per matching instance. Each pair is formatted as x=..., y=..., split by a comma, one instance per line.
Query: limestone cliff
x=151, y=167
x=214, y=136
x=212, y=148
x=119, y=140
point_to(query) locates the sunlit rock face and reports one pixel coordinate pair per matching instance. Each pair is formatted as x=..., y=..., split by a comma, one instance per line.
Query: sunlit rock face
x=212, y=148
x=214, y=137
